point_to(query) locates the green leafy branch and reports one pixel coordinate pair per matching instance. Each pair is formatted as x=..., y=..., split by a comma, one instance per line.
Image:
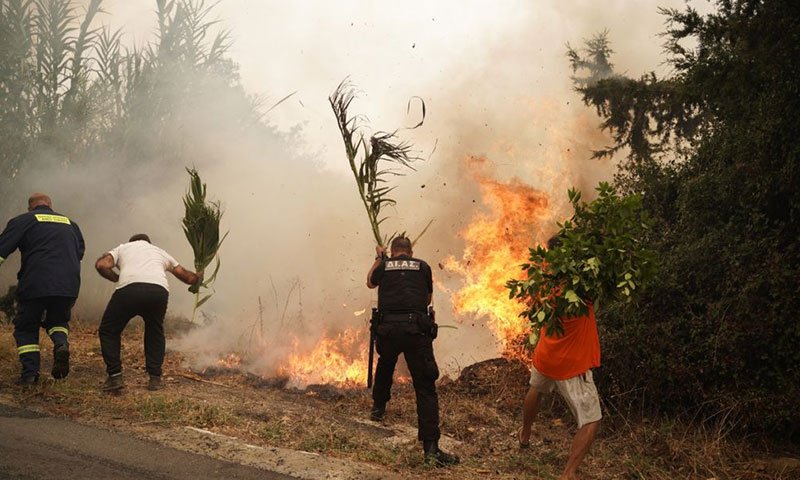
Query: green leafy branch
x=368, y=159
x=599, y=258
x=201, y=227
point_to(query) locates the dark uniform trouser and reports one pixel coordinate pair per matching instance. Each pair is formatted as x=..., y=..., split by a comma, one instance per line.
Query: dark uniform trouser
x=418, y=352
x=147, y=300
x=56, y=312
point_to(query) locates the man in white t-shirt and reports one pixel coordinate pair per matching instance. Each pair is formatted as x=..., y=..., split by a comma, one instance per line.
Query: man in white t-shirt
x=142, y=290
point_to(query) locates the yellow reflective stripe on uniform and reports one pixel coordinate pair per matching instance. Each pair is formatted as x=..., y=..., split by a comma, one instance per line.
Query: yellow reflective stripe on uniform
x=46, y=217
x=2, y=260
x=34, y=347
x=58, y=329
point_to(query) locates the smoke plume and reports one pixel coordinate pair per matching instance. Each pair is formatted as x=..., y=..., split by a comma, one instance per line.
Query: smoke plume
x=495, y=80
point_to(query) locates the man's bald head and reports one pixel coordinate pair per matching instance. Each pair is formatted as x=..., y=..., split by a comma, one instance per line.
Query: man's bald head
x=39, y=199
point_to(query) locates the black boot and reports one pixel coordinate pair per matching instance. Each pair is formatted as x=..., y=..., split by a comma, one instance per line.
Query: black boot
x=435, y=457
x=27, y=382
x=378, y=412
x=113, y=383
x=60, y=361
x=154, y=383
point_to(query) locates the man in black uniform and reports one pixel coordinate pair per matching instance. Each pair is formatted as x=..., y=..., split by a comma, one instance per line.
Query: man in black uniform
x=405, y=288
x=48, y=282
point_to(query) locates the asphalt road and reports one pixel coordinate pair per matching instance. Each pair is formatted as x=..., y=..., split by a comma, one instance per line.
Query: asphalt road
x=34, y=446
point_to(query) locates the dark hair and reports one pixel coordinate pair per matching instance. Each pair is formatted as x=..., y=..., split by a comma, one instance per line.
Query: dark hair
x=140, y=236
x=554, y=242
x=401, y=244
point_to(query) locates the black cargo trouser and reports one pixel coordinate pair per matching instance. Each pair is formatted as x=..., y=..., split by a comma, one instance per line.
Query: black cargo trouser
x=417, y=349
x=147, y=300
x=53, y=314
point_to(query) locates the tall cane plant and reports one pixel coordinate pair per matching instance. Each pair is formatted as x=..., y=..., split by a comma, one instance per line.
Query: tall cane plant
x=373, y=161
x=69, y=86
x=201, y=227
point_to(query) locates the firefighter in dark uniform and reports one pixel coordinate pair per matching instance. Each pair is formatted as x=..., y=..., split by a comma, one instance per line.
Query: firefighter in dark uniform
x=52, y=247
x=404, y=325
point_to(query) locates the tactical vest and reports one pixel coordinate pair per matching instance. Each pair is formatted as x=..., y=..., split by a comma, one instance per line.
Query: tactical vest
x=403, y=285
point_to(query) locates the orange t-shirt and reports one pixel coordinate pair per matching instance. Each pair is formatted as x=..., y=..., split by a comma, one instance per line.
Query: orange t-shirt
x=572, y=354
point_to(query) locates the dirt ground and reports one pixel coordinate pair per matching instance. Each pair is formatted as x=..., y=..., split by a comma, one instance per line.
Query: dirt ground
x=480, y=414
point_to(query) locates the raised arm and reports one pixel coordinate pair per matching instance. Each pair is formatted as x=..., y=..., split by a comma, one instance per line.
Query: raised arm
x=186, y=276
x=105, y=267
x=380, y=252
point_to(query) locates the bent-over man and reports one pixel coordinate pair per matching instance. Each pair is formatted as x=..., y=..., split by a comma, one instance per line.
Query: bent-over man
x=405, y=289
x=143, y=290
x=49, y=279
x=565, y=363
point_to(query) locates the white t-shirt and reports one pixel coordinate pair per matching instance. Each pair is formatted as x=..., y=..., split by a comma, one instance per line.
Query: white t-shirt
x=142, y=262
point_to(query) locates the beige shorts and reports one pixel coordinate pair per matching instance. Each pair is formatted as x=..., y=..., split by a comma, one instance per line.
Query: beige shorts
x=579, y=392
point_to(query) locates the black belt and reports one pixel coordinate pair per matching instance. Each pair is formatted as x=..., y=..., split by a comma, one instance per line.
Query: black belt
x=401, y=317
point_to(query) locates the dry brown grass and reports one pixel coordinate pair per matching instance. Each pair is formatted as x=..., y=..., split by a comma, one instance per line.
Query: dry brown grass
x=481, y=411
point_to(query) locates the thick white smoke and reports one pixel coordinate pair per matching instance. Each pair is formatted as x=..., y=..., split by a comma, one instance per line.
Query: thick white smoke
x=495, y=80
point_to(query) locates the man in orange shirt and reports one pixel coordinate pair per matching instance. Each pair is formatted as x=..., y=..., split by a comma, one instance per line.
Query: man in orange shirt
x=565, y=363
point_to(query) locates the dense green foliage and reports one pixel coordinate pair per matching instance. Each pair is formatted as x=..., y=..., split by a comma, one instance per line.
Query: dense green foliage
x=713, y=150
x=201, y=227
x=599, y=258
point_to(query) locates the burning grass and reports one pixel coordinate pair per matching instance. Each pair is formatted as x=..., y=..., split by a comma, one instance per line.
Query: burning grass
x=480, y=411
x=334, y=359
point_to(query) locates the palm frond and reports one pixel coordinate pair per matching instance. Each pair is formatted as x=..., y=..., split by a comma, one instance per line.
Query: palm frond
x=201, y=227
x=374, y=161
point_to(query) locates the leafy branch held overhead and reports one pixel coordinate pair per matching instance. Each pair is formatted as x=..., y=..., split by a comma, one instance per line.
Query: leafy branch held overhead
x=366, y=157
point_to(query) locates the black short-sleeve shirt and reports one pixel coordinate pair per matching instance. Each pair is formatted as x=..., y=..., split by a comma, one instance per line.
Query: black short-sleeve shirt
x=404, y=284
x=52, y=248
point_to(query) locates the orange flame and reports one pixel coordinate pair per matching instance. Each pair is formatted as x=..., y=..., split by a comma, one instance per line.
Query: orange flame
x=231, y=361
x=339, y=360
x=496, y=243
